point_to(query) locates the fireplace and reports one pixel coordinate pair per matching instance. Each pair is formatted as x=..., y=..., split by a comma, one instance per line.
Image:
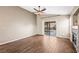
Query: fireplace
x=75, y=35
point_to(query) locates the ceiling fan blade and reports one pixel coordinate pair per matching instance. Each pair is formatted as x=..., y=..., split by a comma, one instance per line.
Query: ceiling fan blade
x=36, y=10
x=43, y=9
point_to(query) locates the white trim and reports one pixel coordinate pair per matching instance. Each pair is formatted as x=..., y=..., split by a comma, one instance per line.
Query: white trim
x=9, y=41
x=15, y=40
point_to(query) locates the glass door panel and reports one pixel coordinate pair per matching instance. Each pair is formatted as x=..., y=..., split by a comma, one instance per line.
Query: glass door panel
x=50, y=28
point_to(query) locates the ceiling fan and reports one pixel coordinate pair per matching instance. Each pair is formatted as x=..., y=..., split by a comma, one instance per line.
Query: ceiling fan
x=39, y=11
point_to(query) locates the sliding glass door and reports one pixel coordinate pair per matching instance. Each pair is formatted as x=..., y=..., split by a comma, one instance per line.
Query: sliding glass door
x=50, y=28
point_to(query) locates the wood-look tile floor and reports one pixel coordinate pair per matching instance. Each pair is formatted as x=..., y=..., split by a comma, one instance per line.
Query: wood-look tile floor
x=39, y=44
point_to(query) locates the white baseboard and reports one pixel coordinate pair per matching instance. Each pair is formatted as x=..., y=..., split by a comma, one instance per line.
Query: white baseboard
x=15, y=40
x=8, y=41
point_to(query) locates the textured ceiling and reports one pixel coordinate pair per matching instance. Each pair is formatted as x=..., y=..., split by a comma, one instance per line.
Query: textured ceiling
x=54, y=10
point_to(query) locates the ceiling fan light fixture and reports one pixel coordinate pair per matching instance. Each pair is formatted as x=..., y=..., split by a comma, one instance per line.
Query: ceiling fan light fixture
x=39, y=11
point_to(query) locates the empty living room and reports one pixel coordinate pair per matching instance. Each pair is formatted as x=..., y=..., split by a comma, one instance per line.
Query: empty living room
x=39, y=29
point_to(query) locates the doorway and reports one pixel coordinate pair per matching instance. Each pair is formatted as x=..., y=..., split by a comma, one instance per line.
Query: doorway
x=50, y=28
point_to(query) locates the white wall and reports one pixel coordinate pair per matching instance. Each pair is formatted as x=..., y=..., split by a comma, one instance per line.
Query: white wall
x=62, y=25
x=16, y=23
